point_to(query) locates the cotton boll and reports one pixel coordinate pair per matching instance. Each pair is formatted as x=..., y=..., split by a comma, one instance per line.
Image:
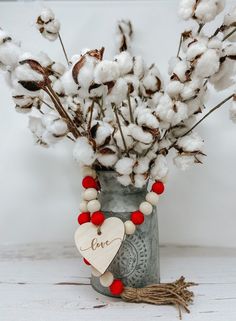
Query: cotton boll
x=229, y=22
x=9, y=54
x=180, y=113
x=171, y=112
x=119, y=92
x=58, y=128
x=26, y=73
x=100, y=91
x=164, y=109
x=138, y=66
x=133, y=83
x=44, y=59
x=139, y=180
x=173, y=61
x=207, y=10
x=128, y=138
x=195, y=49
x=174, y=88
x=186, y=8
x=230, y=50
x=101, y=131
x=36, y=126
x=107, y=156
x=230, y=18
x=49, y=138
x=68, y=83
x=106, y=71
x=190, y=143
x=195, y=105
x=86, y=73
x=184, y=162
x=49, y=118
x=232, y=110
x=191, y=88
x=208, y=64
x=58, y=68
x=107, y=160
x=47, y=14
x=152, y=81
x=47, y=25
x=214, y=43
x=155, y=99
x=54, y=124
x=83, y=151
x=25, y=103
x=4, y=37
x=224, y=77
x=124, y=35
x=125, y=62
x=124, y=166
x=139, y=134
x=147, y=120
x=180, y=70
x=159, y=168
x=124, y=180
x=141, y=147
x=141, y=165
x=183, y=127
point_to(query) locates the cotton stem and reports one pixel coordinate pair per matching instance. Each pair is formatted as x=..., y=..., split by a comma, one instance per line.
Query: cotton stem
x=63, y=48
x=204, y=117
x=57, y=103
x=207, y=114
x=91, y=117
x=119, y=126
x=180, y=44
x=229, y=34
x=130, y=109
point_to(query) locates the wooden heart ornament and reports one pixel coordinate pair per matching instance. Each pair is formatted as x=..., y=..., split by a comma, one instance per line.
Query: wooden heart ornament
x=99, y=245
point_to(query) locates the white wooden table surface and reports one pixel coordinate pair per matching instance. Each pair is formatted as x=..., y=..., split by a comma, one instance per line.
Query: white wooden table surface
x=50, y=283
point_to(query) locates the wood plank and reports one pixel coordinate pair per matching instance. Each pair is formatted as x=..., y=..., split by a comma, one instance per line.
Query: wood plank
x=50, y=282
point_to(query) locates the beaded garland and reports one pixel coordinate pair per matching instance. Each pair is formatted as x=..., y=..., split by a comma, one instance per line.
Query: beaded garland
x=90, y=212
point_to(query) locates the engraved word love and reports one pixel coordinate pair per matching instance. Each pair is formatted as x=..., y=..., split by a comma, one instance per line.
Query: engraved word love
x=100, y=248
x=95, y=244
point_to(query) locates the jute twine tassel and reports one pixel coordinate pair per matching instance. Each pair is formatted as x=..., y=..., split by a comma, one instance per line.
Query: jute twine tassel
x=175, y=293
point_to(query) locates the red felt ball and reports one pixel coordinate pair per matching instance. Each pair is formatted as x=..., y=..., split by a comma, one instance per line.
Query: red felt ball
x=97, y=218
x=158, y=187
x=137, y=217
x=84, y=218
x=86, y=261
x=89, y=182
x=117, y=287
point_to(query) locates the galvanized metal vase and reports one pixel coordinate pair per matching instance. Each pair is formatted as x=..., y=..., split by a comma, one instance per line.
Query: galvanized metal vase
x=137, y=262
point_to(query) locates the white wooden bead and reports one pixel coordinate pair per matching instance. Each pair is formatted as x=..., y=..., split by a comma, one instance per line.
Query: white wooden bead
x=152, y=198
x=93, y=206
x=88, y=171
x=90, y=194
x=106, y=279
x=83, y=206
x=95, y=272
x=145, y=208
x=129, y=227
x=164, y=179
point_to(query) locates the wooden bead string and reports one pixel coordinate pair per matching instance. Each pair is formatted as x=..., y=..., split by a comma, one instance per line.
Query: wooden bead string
x=175, y=293
x=90, y=207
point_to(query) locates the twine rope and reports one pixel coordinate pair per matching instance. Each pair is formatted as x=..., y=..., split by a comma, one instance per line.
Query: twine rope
x=175, y=293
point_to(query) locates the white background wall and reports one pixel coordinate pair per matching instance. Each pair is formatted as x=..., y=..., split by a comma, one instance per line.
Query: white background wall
x=40, y=189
